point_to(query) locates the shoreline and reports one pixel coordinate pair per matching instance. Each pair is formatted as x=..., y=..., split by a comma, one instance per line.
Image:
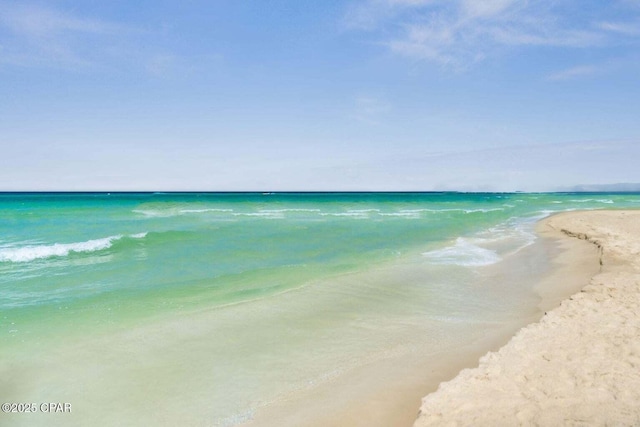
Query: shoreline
x=397, y=401
x=577, y=365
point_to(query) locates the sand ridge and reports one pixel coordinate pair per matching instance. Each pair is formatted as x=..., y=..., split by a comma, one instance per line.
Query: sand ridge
x=580, y=364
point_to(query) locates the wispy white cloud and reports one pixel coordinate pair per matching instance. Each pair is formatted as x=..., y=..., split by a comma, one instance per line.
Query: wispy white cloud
x=575, y=72
x=35, y=21
x=370, y=14
x=484, y=9
x=367, y=16
x=36, y=35
x=628, y=63
x=558, y=37
x=43, y=36
x=625, y=28
x=459, y=33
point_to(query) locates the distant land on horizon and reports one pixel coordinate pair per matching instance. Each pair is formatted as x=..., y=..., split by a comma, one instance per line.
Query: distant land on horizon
x=626, y=187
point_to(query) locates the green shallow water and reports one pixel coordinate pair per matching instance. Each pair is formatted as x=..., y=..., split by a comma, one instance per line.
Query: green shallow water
x=360, y=273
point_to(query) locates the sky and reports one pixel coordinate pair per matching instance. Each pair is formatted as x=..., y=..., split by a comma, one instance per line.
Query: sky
x=292, y=95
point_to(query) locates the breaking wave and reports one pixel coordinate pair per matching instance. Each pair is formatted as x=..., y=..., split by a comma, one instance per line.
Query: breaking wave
x=464, y=253
x=34, y=252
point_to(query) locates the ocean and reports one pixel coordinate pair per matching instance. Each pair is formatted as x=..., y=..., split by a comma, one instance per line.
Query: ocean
x=227, y=309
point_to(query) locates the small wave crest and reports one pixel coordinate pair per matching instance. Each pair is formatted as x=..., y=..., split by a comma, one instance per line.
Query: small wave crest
x=606, y=201
x=491, y=245
x=356, y=215
x=482, y=210
x=171, y=212
x=464, y=253
x=288, y=210
x=35, y=252
x=268, y=215
x=402, y=214
x=187, y=211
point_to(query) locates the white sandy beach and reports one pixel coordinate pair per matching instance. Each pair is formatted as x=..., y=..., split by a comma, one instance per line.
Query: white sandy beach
x=580, y=364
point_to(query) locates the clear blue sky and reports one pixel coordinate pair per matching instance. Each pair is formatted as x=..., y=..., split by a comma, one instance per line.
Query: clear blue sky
x=318, y=95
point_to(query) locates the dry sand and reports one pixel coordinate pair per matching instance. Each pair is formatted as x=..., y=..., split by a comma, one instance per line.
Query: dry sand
x=580, y=364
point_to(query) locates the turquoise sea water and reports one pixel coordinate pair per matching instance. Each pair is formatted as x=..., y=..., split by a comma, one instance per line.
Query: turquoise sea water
x=268, y=271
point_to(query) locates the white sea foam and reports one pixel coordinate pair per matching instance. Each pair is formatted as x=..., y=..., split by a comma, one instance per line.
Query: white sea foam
x=30, y=253
x=420, y=210
x=186, y=211
x=607, y=201
x=510, y=236
x=166, y=213
x=349, y=214
x=154, y=213
x=482, y=210
x=489, y=246
x=261, y=214
x=402, y=214
x=464, y=253
x=33, y=252
x=445, y=210
x=288, y=210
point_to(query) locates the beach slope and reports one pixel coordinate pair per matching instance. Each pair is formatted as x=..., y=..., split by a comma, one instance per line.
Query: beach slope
x=580, y=364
